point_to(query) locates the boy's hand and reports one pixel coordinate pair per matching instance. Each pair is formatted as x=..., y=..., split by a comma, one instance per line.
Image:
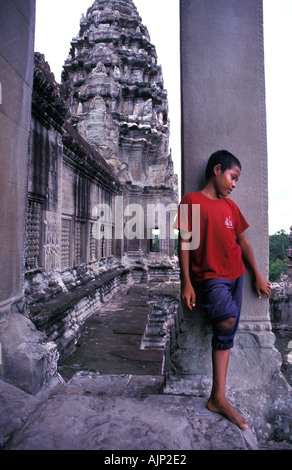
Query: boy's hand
x=262, y=286
x=188, y=297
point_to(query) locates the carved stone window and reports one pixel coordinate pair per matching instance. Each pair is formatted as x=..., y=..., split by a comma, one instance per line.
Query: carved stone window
x=77, y=243
x=66, y=244
x=80, y=243
x=33, y=235
x=92, y=244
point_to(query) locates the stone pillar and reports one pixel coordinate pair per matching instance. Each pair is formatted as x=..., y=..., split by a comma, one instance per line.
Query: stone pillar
x=16, y=65
x=223, y=92
x=25, y=357
x=223, y=107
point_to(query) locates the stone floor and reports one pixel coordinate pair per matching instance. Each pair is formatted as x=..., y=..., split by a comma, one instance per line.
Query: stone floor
x=112, y=337
x=112, y=396
x=112, y=415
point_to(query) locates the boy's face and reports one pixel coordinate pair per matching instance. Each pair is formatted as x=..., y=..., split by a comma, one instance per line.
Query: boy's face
x=226, y=182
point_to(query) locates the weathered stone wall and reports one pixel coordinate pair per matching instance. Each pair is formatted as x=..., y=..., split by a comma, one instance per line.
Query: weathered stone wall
x=28, y=360
x=62, y=318
x=67, y=179
x=69, y=271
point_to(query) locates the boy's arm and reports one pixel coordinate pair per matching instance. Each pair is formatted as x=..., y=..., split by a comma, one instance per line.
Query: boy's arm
x=188, y=295
x=261, y=285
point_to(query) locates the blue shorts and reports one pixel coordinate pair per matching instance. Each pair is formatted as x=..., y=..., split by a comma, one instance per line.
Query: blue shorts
x=222, y=300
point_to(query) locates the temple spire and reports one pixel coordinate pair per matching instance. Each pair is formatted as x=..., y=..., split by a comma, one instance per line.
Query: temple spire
x=114, y=88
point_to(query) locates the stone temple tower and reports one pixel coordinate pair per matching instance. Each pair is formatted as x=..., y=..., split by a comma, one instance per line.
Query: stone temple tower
x=114, y=88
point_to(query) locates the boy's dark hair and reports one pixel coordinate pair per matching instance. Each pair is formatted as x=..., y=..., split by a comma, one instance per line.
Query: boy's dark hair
x=226, y=160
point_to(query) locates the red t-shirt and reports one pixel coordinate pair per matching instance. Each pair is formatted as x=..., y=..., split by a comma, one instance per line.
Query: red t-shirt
x=217, y=253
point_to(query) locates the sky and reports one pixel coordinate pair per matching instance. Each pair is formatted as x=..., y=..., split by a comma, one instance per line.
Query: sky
x=57, y=22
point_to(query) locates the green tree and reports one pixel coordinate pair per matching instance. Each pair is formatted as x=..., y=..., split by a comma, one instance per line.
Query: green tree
x=278, y=258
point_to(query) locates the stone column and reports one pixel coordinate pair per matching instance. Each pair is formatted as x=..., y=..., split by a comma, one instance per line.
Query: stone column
x=26, y=359
x=16, y=65
x=223, y=92
x=223, y=107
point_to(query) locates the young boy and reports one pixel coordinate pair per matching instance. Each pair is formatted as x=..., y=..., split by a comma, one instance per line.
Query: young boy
x=215, y=263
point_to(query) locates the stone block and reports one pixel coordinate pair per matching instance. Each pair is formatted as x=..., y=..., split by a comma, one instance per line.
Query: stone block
x=16, y=407
x=29, y=361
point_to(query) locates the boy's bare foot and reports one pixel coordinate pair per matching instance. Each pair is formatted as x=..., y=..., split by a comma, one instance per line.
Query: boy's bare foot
x=227, y=410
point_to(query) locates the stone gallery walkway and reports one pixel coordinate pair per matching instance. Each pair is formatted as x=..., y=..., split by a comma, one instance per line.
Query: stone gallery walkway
x=112, y=397
x=112, y=338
